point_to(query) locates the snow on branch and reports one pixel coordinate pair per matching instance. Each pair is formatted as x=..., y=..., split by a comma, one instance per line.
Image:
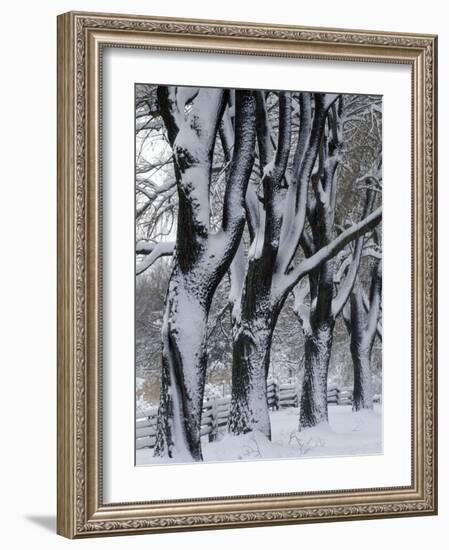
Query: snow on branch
x=252, y=205
x=300, y=308
x=346, y=260
x=273, y=173
x=366, y=305
x=237, y=272
x=330, y=250
x=347, y=285
x=240, y=167
x=296, y=199
x=153, y=251
x=310, y=134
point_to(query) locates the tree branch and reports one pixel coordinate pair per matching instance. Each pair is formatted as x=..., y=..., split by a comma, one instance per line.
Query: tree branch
x=366, y=305
x=305, y=156
x=273, y=173
x=300, y=308
x=152, y=251
x=329, y=251
x=348, y=284
x=240, y=169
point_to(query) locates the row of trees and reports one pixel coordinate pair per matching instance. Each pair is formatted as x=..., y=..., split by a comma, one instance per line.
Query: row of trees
x=258, y=198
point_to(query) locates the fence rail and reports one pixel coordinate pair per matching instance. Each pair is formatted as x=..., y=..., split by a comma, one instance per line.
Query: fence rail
x=216, y=411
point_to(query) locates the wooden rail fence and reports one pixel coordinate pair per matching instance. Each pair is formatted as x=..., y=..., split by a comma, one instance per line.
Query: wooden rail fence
x=216, y=411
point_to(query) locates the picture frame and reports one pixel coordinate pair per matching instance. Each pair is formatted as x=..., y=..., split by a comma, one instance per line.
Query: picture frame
x=82, y=509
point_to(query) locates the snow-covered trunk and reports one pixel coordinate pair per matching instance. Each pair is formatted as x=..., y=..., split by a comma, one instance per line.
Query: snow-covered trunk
x=362, y=328
x=188, y=300
x=253, y=333
x=360, y=347
x=251, y=350
x=318, y=346
x=255, y=313
x=262, y=297
x=363, y=388
x=201, y=258
x=319, y=329
x=184, y=361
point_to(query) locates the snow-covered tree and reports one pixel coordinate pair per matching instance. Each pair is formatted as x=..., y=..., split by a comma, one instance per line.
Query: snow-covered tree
x=319, y=312
x=276, y=223
x=237, y=206
x=362, y=318
x=202, y=256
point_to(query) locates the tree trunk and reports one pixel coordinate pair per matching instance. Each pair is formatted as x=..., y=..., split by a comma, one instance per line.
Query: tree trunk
x=256, y=316
x=253, y=328
x=201, y=258
x=362, y=329
x=184, y=360
x=363, y=391
x=251, y=362
x=318, y=346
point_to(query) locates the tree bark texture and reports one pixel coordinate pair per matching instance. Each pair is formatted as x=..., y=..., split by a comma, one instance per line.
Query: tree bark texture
x=201, y=258
x=362, y=326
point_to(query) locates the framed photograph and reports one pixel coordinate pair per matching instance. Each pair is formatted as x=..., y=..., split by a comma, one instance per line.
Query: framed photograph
x=246, y=274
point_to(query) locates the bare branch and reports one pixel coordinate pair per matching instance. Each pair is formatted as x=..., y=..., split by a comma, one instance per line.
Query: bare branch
x=152, y=251
x=306, y=153
x=329, y=251
x=240, y=169
x=348, y=284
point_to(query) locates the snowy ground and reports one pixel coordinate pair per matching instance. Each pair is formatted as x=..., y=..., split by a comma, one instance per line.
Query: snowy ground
x=347, y=434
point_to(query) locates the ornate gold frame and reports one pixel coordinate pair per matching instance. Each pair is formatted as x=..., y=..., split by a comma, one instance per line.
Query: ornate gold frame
x=81, y=511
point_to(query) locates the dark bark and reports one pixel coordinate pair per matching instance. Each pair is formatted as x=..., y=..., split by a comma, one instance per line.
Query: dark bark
x=324, y=306
x=249, y=409
x=319, y=336
x=363, y=387
x=318, y=346
x=184, y=361
x=269, y=277
x=362, y=326
x=200, y=261
x=253, y=327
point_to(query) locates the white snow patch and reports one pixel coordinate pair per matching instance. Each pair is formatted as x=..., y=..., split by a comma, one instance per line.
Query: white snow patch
x=347, y=434
x=268, y=169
